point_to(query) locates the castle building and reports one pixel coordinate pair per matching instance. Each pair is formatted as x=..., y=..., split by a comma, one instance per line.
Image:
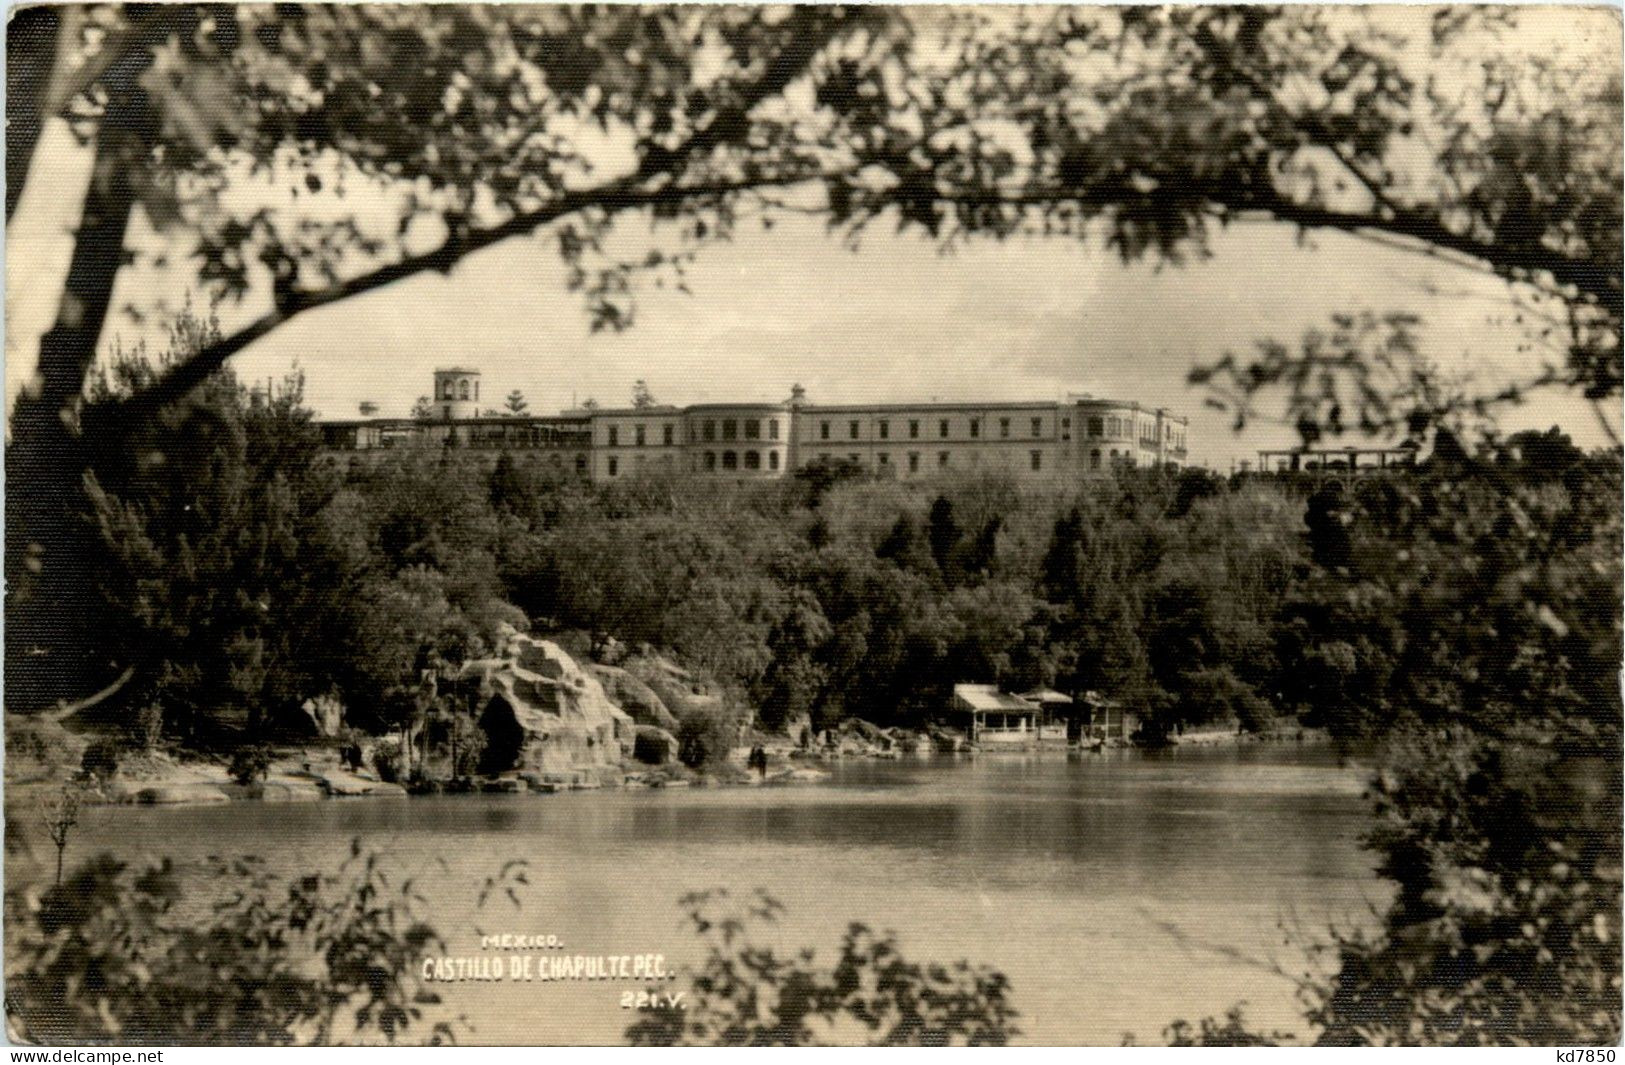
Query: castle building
x=1080, y=436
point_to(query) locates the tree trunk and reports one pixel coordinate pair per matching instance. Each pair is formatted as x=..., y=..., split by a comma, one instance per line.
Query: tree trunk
x=50, y=650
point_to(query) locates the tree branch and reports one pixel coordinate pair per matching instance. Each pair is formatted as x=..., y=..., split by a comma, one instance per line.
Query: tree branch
x=807, y=31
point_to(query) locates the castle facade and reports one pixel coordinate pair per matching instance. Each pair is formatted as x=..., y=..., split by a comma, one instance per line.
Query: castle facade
x=1080, y=436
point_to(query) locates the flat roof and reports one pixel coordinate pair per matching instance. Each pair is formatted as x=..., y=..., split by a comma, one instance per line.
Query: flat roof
x=695, y=408
x=903, y=408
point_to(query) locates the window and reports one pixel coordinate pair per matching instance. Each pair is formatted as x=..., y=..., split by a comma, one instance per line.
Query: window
x=614, y=466
x=581, y=464
x=1038, y=427
x=450, y=391
x=614, y=436
x=730, y=429
x=753, y=460
x=773, y=458
x=448, y=406
x=883, y=458
x=885, y=430
x=641, y=435
x=942, y=428
x=942, y=459
x=772, y=428
x=1094, y=459
x=1004, y=426
x=710, y=460
x=823, y=430
x=730, y=461
x=975, y=428
x=462, y=390
x=853, y=459
x=753, y=429
x=1066, y=428
x=666, y=436
x=1038, y=460
x=1096, y=427
x=852, y=430
x=913, y=429
x=709, y=433
x=913, y=462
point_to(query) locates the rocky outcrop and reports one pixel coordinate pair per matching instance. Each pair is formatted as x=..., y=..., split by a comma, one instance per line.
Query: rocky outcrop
x=682, y=693
x=635, y=697
x=544, y=713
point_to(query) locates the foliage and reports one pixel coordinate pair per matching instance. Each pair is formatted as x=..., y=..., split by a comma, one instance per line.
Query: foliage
x=1467, y=617
x=101, y=759
x=464, y=735
x=1232, y=1032
x=249, y=764
x=706, y=738
x=211, y=527
x=113, y=956
x=744, y=994
x=389, y=760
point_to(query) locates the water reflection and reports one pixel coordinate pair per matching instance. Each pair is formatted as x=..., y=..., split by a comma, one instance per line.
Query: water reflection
x=1135, y=884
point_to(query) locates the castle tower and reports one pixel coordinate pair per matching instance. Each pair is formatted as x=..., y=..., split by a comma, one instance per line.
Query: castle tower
x=456, y=394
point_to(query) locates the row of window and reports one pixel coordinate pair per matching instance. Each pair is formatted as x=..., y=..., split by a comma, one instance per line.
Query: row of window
x=640, y=437
x=461, y=390
x=731, y=460
x=1118, y=459
x=944, y=459
x=731, y=429
x=1124, y=427
x=854, y=428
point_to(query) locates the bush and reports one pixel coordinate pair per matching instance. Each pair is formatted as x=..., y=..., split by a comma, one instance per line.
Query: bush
x=250, y=764
x=471, y=744
x=387, y=760
x=312, y=960
x=706, y=737
x=101, y=759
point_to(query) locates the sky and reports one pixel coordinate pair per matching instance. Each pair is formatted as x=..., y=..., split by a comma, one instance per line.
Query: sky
x=896, y=321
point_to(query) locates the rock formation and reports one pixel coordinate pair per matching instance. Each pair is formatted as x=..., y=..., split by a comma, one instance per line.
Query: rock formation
x=635, y=697
x=542, y=712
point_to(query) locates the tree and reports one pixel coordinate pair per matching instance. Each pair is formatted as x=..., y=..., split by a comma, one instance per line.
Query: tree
x=952, y=124
x=942, y=531
x=642, y=398
x=209, y=530
x=515, y=403
x=423, y=409
x=307, y=961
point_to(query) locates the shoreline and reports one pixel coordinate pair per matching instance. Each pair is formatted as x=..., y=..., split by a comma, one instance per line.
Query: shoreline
x=315, y=775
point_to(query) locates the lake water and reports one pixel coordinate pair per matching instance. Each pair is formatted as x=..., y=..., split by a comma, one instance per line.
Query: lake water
x=1117, y=891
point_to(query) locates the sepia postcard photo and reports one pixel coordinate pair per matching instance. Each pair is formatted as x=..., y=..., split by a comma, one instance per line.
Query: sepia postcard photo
x=693, y=525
